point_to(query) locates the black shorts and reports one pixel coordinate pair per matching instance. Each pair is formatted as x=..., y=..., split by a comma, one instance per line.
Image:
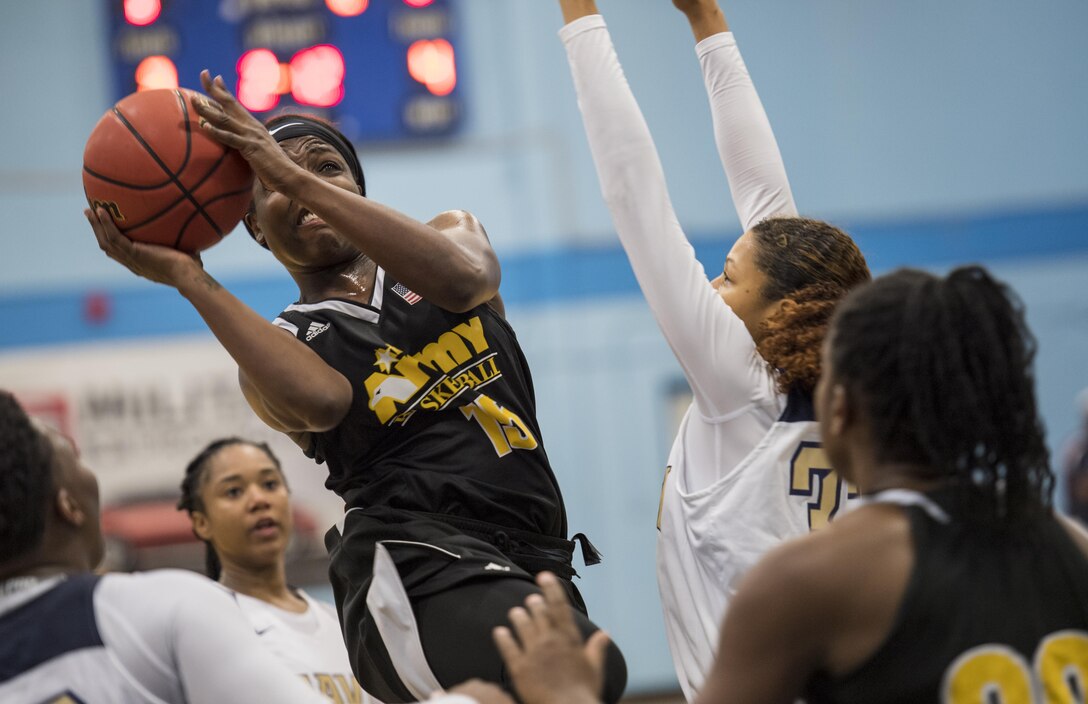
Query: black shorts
x=418, y=597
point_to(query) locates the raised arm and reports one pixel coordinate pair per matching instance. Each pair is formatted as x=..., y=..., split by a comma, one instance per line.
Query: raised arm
x=286, y=383
x=712, y=345
x=456, y=269
x=746, y=144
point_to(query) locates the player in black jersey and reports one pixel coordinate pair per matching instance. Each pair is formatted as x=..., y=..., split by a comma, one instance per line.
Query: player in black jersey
x=955, y=582
x=401, y=374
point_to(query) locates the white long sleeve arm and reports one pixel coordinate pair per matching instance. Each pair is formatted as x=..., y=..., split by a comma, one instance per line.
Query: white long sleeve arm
x=181, y=637
x=746, y=144
x=712, y=345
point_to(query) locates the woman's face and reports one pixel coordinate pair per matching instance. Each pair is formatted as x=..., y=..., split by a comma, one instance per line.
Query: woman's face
x=741, y=286
x=247, y=509
x=296, y=236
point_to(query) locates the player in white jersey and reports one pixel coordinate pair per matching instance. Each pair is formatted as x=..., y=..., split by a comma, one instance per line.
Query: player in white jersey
x=307, y=643
x=239, y=503
x=167, y=636
x=69, y=636
x=746, y=470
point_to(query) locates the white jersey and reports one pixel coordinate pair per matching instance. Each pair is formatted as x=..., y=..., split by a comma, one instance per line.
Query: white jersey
x=159, y=637
x=166, y=636
x=746, y=470
x=309, y=644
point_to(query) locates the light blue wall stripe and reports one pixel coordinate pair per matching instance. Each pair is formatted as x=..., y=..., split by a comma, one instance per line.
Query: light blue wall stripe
x=554, y=277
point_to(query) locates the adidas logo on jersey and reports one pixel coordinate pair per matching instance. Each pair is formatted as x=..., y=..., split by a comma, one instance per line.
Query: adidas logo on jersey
x=496, y=568
x=315, y=330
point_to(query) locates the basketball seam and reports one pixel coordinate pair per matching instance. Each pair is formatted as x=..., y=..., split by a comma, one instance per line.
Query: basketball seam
x=181, y=198
x=186, y=193
x=185, y=225
x=174, y=203
x=129, y=186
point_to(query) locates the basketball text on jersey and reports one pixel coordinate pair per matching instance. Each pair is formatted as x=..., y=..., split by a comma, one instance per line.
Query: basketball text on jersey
x=404, y=292
x=337, y=688
x=434, y=377
x=458, y=360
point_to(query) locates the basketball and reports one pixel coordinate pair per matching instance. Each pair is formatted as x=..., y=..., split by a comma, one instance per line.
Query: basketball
x=161, y=178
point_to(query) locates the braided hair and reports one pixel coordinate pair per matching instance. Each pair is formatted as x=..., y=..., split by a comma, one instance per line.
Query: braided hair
x=813, y=265
x=26, y=480
x=943, y=369
x=193, y=482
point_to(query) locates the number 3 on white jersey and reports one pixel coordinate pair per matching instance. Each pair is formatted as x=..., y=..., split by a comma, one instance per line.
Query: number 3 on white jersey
x=811, y=476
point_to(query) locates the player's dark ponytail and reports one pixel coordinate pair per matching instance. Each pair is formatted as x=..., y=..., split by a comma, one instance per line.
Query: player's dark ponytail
x=193, y=482
x=942, y=368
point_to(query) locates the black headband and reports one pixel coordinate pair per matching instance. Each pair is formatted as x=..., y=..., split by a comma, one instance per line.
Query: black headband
x=306, y=127
x=298, y=126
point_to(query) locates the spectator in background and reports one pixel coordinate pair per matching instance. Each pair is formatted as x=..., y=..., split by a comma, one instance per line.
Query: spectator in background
x=238, y=500
x=68, y=635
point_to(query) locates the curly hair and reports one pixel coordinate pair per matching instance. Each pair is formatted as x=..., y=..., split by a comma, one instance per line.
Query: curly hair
x=26, y=480
x=193, y=482
x=943, y=370
x=810, y=265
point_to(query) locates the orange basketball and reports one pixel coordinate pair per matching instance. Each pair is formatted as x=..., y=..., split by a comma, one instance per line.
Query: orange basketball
x=164, y=181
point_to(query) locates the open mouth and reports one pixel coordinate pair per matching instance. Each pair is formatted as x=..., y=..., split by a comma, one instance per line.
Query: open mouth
x=305, y=217
x=265, y=524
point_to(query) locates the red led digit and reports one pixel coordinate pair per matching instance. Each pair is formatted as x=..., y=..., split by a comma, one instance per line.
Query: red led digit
x=259, y=78
x=431, y=62
x=142, y=12
x=347, y=8
x=156, y=72
x=317, y=76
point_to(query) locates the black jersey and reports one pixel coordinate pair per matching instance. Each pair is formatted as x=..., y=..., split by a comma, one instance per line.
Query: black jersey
x=443, y=416
x=984, y=618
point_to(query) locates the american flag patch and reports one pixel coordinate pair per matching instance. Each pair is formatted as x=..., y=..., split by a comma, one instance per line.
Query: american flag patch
x=407, y=294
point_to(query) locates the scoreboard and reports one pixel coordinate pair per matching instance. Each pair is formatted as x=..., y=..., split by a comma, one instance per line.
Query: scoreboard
x=380, y=69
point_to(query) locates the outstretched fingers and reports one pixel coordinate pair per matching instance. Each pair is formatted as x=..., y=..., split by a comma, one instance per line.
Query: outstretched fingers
x=215, y=110
x=555, y=606
x=154, y=262
x=110, y=240
x=544, y=653
x=561, y=617
x=525, y=625
x=508, y=647
x=217, y=89
x=226, y=120
x=596, y=650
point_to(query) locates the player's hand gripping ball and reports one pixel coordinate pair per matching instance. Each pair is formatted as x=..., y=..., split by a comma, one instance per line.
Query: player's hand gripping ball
x=162, y=179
